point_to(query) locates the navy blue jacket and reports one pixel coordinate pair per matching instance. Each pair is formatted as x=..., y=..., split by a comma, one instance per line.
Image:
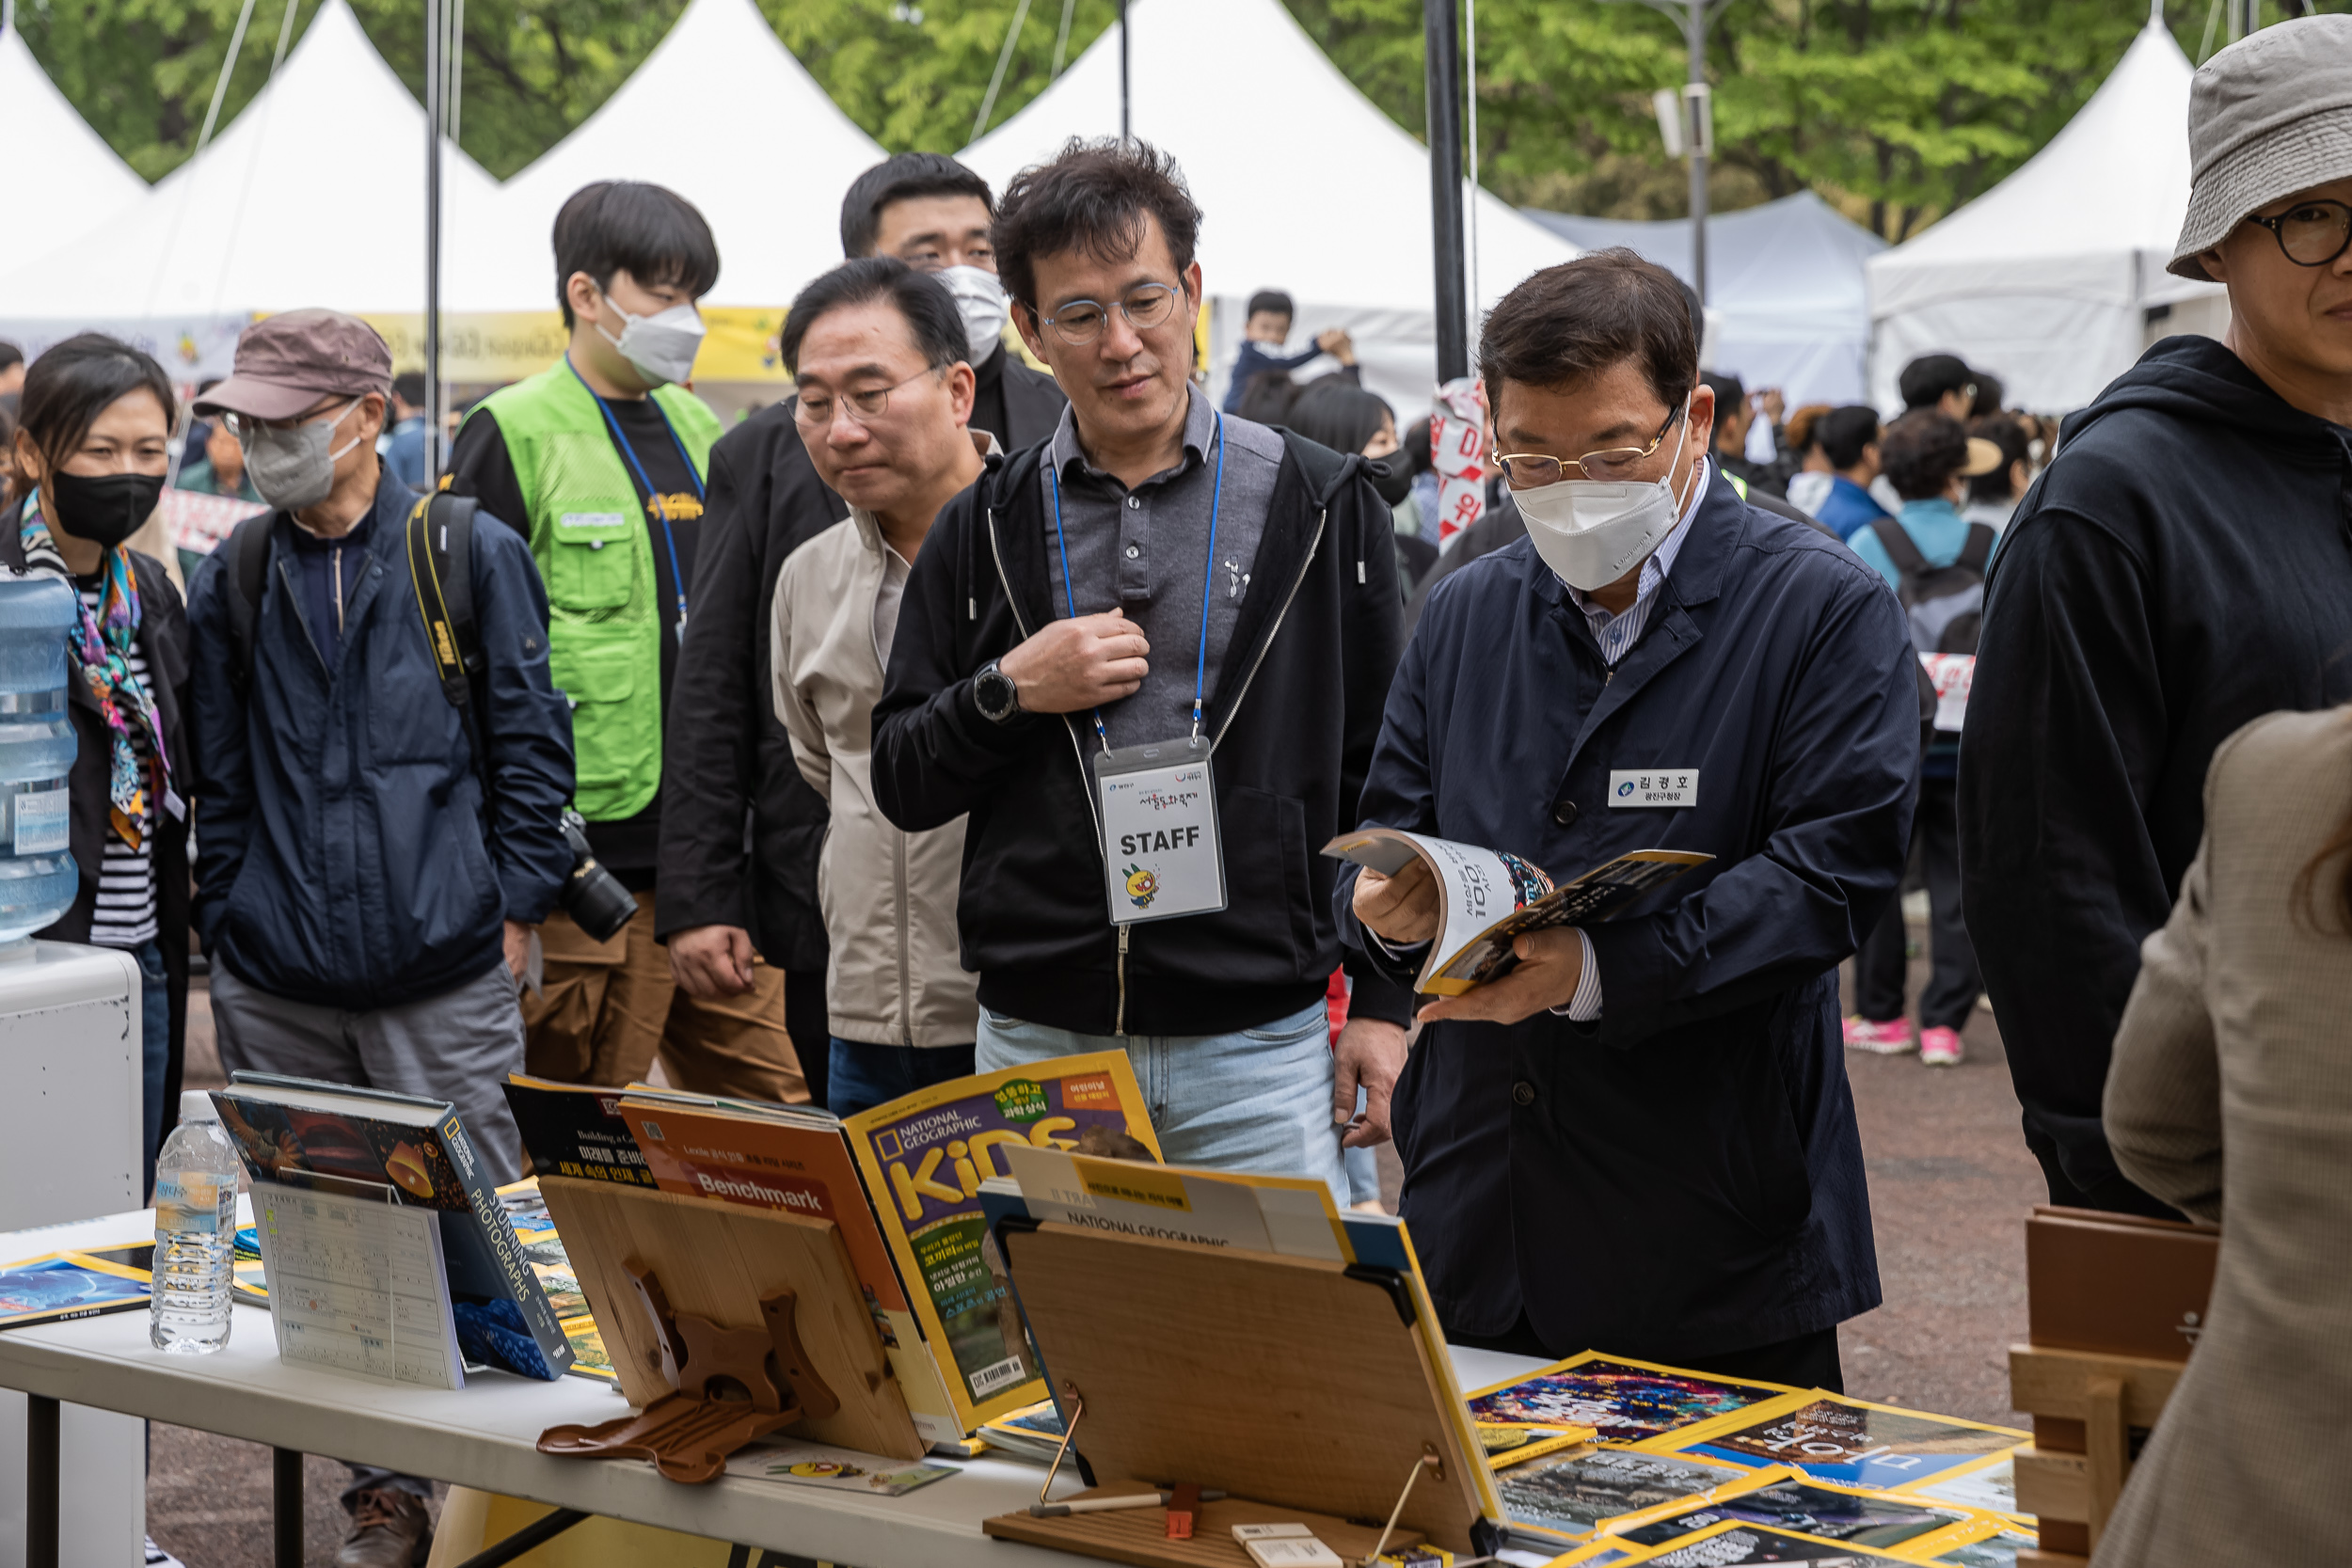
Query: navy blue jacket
x=1681, y=1177
x=344, y=855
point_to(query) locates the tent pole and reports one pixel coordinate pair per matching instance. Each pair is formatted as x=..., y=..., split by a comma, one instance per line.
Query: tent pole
x=436, y=84
x=1443, y=62
x=1694, y=40
x=1124, y=134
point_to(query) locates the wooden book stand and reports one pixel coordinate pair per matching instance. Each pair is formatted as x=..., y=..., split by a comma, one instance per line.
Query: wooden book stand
x=725, y=1323
x=730, y=1385
x=1303, y=1389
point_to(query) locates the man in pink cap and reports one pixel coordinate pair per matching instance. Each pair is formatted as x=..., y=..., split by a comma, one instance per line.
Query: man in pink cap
x=365, y=882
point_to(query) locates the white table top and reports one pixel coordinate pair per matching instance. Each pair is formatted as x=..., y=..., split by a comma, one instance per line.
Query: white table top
x=484, y=1435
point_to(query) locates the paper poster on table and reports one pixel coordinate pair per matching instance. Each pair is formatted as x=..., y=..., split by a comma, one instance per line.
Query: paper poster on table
x=924, y=1157
x=1567, y=1499
x=1735, y=1542
x=1815, y=1508
x=1853, y=1441
x=1623, y=1401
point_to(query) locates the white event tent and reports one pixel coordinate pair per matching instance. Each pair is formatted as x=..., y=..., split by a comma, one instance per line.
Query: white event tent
x=2054, y=280
x=65, y=178
x=722, y=114
x=314, y=195
x=1304, y=184
x=1784, y=281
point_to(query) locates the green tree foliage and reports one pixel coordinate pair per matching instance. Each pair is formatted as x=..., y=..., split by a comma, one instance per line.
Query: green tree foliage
x=1897, y=109
x=1905, y=109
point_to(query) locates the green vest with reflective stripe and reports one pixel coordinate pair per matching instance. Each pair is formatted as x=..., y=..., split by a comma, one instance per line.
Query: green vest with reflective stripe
x=1739, y=486
x=596, y=553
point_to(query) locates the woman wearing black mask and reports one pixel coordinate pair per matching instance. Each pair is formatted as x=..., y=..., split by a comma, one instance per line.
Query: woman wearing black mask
x=1345, y=417
x=92, y=446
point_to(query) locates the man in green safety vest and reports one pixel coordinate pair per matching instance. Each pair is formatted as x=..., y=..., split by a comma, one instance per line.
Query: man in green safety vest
x=602, y=458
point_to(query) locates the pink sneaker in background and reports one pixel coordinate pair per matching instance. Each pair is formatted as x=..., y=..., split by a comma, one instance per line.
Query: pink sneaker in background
x=1891, y=1038
x=1940, y=1047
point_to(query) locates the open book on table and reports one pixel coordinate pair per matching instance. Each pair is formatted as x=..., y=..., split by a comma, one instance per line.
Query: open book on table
x=1487, y=897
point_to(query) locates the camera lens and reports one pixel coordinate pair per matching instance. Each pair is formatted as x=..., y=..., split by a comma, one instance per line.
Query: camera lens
x=593, y=896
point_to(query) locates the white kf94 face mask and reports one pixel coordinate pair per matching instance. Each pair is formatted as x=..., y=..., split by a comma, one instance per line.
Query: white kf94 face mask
x=980, y=301
x=662, y=346
x=1593, y=532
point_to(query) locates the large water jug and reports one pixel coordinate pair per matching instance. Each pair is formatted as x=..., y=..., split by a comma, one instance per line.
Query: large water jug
x=38, y=877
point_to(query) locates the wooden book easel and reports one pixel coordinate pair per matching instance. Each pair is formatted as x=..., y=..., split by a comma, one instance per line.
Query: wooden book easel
x=723, y=1323
x=1299, y=1388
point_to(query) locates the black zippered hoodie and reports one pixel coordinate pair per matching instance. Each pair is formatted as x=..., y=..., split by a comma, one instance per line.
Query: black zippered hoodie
x=1295, y=715
x=2184, y=567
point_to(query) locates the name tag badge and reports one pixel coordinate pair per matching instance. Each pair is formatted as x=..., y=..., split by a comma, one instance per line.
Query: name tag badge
x=1654, y=786
x=590, y=519
x=1160, y=849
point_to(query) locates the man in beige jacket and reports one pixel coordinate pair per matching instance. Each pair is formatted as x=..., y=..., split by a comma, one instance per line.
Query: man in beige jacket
x=878, y=351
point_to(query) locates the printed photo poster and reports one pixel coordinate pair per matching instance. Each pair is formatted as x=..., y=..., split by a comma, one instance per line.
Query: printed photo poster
x=66, y=1285
x=1623, y=1400
x=1988, y=1543
x=1566, y=1497
x=1989, y=1485
x=1722, y=1545
x=1808, y=1507
x=924, y=1157
x=1859, y=1444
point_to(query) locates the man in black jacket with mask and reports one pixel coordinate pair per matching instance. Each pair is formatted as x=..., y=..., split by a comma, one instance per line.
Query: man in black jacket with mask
x=2181, y=570
x=733, y=759
x=1156, y=581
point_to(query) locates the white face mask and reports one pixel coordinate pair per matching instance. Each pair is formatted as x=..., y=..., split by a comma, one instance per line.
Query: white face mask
x=1591, y=531
x=980, y=301
x=296, y=468
x=662, y=346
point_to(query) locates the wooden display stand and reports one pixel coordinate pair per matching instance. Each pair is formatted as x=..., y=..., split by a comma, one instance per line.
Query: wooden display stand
x=2116, y=1303
x=685, y=1290
x=1302, y=1389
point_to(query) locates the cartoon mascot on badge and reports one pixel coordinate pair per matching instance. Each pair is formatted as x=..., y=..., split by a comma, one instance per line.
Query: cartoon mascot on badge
x=1142, y=886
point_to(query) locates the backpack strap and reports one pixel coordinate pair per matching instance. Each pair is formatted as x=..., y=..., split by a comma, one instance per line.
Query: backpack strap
x=439, y=541
x=1899, y=548
x=1977, y=552
x=248, y=573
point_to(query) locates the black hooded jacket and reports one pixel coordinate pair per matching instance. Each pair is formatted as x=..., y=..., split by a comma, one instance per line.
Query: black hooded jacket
x=2184, y=567
x=1295, y=714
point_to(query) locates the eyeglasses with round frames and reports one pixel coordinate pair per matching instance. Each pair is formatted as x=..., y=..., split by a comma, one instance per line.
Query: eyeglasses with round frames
x=1145, y=306
x=2311, y=234
x=865, y=406
x=1532, y=471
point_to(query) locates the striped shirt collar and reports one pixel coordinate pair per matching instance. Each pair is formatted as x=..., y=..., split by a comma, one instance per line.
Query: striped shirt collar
x=1617, y=633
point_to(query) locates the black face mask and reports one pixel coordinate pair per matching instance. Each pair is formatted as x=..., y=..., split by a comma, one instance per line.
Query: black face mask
x=104, y=509
x=1391, y=477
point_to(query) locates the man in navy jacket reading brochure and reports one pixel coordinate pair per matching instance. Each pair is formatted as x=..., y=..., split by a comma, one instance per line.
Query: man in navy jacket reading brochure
x=1641, y=1140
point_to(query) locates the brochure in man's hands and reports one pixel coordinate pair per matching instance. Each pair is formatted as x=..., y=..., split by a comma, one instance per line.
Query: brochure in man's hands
x=1488, y=897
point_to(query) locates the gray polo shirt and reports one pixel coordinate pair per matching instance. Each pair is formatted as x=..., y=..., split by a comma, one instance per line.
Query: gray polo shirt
x=1146, y=551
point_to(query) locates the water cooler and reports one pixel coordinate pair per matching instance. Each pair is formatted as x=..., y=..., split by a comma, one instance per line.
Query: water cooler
x=70, y=1079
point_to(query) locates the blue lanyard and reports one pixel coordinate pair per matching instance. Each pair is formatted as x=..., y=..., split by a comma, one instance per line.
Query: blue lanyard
x=668, y=535
x=1208, y=577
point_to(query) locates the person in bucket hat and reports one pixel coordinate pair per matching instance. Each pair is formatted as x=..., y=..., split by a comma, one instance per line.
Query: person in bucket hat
x=2179, y=570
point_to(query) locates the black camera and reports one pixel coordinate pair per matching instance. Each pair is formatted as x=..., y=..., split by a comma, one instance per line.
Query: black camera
x=592, y=896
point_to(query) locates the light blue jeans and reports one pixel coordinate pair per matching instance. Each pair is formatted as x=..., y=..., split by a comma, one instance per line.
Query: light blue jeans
x=1256, y=1100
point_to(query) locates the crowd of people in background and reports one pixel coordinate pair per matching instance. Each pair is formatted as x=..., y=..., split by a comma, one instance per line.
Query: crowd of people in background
x=779, y=758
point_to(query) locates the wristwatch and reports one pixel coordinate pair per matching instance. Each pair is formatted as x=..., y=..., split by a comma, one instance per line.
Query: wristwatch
x=995, y=695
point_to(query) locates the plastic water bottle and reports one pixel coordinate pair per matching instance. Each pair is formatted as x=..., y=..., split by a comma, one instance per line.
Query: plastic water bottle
x=38, y=877
x=196, y=1233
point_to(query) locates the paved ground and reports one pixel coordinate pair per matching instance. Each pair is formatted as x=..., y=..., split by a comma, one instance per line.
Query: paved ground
x=1950, y=1183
